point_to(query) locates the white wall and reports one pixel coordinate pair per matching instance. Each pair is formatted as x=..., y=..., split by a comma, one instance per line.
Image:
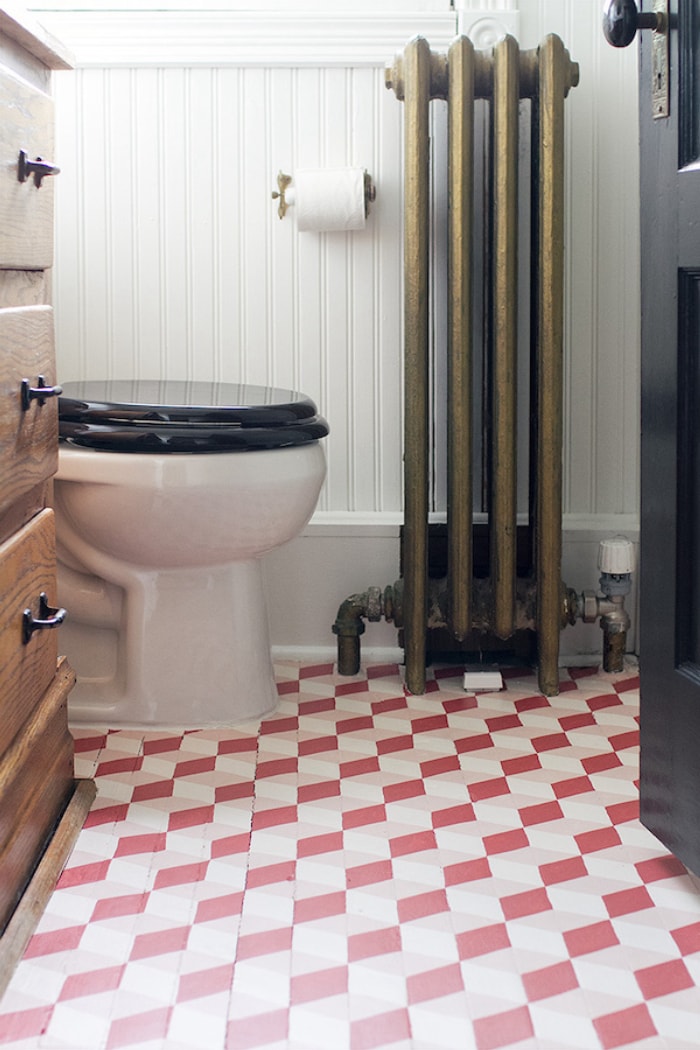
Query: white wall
x=171, y=258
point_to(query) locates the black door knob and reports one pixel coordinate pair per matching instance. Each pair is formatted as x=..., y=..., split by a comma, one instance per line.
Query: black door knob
x=621, y=20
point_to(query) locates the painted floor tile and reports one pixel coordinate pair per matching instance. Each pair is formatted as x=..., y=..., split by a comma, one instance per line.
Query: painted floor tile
x=368, y=869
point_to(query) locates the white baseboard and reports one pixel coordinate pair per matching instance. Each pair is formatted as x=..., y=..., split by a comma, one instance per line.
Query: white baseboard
x=337, y=556
x=327, y=654
x=373, y=655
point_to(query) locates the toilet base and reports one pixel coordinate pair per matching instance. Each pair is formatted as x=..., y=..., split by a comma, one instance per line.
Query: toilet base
x=188, y=648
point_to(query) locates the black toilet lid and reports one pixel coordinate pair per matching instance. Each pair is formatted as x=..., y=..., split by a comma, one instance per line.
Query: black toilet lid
x=181, y=416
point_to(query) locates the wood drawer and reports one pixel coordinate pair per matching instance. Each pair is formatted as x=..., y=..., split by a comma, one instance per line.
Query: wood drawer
x=36, y=781
x=28, y=438
x=27, y=568
x=26, y=210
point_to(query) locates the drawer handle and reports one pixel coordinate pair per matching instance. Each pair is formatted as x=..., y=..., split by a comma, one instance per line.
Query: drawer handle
x=39, y=393
x=48, y=618
x=38, y=168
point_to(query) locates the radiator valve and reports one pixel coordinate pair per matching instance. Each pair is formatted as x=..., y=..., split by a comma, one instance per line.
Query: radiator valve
x=616, y=562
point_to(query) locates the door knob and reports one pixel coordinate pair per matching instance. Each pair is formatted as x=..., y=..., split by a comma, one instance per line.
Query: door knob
x=621, y=20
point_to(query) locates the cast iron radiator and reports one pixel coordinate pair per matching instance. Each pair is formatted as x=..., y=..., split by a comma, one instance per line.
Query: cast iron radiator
x=504, y=602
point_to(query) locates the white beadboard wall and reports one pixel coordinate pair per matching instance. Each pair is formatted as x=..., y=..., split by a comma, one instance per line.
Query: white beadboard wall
x=171, y=259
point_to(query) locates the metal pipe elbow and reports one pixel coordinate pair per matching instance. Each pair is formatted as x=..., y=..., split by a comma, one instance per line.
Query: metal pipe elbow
x=349, y=626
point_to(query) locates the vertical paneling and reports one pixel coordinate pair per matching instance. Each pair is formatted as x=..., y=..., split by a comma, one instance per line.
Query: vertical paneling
x=94, y=159
x=285, y=358
x=250, y=233
x=171, y=258
x=172, y=170
x=337, y=249
x=141, y=146
x=602, y=265
x=388, y=316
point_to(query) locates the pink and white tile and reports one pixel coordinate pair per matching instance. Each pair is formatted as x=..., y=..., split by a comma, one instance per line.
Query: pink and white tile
x=363, y=869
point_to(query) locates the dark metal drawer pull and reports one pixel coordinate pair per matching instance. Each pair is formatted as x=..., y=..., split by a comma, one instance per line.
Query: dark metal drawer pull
x=39, y=393
x=38, y=168
x=48, y=618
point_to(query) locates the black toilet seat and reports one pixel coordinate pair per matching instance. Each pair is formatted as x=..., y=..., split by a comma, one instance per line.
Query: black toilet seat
x=160, y=416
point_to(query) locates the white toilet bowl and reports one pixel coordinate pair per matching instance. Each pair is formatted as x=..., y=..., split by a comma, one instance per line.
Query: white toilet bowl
x=160, y=555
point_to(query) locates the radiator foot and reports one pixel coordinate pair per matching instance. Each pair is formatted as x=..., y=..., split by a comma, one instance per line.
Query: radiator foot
x=548, y=676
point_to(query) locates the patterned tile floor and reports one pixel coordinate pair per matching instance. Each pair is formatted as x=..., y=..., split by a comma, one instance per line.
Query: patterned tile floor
x=367, y=869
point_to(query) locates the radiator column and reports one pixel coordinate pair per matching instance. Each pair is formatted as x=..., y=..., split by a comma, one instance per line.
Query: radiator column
x=503, y=516
x=460, y=203
x=553, y=86
x=416, y=91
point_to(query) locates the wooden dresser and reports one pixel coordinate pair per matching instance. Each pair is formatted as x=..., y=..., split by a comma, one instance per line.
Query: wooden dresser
x=41, y=805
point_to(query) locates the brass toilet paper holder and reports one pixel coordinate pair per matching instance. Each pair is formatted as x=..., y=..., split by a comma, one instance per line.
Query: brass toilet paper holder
x=284, y=181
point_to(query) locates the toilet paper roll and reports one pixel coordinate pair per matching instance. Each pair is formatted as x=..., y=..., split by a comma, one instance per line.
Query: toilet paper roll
x=327, y=199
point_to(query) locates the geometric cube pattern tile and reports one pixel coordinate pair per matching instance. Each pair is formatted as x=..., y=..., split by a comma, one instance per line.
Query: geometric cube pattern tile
x=365, y=868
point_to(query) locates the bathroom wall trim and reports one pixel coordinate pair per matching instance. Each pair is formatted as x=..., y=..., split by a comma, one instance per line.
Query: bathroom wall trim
x=136, y=39
x=340, y=523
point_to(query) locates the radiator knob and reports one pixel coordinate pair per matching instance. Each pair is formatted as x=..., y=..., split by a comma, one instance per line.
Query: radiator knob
x=621, y=20
x=616, y=556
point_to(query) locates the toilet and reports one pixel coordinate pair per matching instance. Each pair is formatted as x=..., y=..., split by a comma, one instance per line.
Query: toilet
x=167, y=497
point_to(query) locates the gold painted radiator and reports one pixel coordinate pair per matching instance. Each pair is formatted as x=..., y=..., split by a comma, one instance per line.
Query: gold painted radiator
x=504, y=603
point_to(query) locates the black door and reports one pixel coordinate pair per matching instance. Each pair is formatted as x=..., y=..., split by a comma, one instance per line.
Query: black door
x=670, y=521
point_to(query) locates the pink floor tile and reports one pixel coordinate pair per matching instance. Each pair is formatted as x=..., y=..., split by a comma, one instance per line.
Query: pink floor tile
x=365, y=868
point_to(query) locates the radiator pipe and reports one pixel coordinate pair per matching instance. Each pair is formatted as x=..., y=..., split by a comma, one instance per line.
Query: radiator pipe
x=616, y=562
x=373, y=604
x=349, y=625
x=614, y=622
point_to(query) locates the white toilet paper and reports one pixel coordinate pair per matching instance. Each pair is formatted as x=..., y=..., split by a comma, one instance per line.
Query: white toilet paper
x=328, y=198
